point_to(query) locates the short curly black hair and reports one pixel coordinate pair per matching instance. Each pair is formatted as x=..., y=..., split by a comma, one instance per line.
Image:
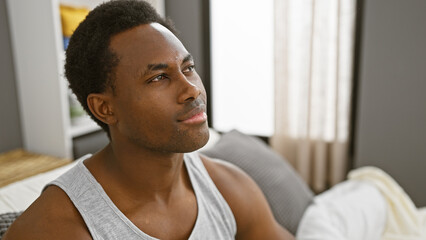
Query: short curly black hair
x=89, y=65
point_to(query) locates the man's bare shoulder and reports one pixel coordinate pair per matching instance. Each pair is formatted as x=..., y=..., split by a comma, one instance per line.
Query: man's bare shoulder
x=251, y=210
x=51, y=216
x=233, y=183
x=223, y=173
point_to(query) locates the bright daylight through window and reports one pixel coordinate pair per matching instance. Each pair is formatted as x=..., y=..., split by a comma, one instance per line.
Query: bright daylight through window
x=242, y=65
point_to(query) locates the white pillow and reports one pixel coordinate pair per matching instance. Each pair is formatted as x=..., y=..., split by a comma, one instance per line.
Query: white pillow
x=351, y=210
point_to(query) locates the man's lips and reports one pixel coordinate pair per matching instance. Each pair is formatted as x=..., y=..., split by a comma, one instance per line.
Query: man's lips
x=196, y=115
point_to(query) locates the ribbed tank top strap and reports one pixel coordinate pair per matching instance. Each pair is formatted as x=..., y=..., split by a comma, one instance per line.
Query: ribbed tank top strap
x=215, y=218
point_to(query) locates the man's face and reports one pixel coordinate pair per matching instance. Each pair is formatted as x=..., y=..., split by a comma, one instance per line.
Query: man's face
x=159, y=100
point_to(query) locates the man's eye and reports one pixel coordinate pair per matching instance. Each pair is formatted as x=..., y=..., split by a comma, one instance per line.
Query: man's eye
x=158, y=78
x=189, y=69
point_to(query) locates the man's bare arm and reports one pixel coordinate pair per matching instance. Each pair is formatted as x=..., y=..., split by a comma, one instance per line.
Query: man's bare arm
x=251, y=210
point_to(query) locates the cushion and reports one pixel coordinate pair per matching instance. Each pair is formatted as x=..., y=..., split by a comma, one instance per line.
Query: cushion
x=350, y=210
x=288, y=195
x=6, y=219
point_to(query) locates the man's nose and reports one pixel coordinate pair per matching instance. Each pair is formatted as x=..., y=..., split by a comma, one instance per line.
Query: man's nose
x=188, y=90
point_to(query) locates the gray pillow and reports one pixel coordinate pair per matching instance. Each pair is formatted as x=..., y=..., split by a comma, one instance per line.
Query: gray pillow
x=287, y=194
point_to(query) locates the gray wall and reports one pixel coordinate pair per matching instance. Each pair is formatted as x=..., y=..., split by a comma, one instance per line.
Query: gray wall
x=10, y=130
x=391, y=122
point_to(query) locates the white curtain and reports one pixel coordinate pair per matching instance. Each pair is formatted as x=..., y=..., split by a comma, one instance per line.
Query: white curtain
x=314, y=42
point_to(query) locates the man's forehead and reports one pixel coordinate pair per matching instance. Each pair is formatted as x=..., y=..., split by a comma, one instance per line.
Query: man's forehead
x=146, y=33
x=147, y=48
x=151, y=41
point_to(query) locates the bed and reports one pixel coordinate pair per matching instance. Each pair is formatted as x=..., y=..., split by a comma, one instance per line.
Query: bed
x=368, y=205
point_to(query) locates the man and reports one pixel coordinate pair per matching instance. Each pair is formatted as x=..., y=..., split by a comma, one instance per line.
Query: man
x=137, y=80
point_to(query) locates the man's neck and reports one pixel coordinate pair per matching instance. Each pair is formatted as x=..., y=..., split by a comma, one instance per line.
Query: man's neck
x=139, y=173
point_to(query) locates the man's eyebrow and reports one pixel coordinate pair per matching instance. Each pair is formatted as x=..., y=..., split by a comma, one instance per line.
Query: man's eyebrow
x=160, y=66
x=187, y=58
x=156, y=66
x=153, y=67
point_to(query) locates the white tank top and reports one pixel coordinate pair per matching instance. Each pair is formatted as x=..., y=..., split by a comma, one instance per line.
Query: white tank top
x=105, y=221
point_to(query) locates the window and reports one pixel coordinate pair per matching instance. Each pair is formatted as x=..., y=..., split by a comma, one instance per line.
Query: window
x=242, y=65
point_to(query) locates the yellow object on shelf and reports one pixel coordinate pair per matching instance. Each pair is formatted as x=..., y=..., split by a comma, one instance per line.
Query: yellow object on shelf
x=71, y=17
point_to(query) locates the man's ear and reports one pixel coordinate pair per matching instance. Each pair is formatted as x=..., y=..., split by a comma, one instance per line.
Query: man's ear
x=100, y=105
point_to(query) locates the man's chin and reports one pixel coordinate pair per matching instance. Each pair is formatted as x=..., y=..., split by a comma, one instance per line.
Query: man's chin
x=196, y=142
